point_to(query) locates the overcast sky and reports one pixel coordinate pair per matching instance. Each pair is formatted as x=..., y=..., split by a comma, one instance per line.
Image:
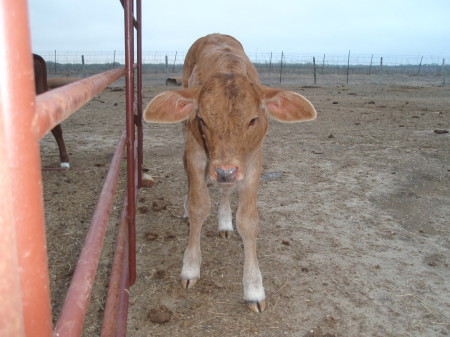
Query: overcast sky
x=389, y=27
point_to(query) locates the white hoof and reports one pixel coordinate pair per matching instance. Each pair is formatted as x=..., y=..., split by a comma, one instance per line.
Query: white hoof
x=65, y=165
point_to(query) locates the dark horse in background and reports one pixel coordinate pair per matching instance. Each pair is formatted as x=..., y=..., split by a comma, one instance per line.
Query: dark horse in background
x=40, y=78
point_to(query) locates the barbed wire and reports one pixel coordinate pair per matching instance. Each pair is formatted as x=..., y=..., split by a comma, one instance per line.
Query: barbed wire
x=177, y=58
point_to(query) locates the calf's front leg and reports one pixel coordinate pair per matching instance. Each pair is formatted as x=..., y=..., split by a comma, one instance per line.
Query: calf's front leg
x=247, y=222
x=198, y=204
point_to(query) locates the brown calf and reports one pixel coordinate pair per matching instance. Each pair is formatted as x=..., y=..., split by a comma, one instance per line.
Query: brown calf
x=56, y=82
x=40, y=80
x=225, y=111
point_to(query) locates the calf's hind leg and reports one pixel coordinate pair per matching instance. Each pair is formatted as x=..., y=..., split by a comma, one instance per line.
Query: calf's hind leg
x=224, y=216
x=64, y=157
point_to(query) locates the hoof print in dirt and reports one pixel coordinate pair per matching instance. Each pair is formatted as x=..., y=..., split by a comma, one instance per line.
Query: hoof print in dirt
x=143, y=209
x=160, y=274
x=159, y=205
x=159, y=316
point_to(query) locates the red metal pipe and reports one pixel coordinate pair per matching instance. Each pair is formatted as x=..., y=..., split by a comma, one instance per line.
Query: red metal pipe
x=111, y=314
x=122, y=317
x=70, y=322
x=140, y=135
x=23, y=259
x=135, y=22
x=56, y=105
x=131, y=168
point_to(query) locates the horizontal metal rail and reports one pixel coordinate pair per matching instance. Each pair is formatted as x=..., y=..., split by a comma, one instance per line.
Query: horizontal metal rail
x=117, y=283
x=70, y=322
x=53, y=106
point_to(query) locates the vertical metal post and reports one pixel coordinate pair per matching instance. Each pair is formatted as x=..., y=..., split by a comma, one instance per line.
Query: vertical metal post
x=139, y=92
x=22, y=211
x=131, y=186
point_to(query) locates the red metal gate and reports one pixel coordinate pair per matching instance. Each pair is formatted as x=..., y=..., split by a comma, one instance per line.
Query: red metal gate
x=24, y=119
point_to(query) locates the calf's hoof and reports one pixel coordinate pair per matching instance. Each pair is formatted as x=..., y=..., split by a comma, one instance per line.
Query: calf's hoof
x=257, y=306
x=226, y=234
x=189, y=283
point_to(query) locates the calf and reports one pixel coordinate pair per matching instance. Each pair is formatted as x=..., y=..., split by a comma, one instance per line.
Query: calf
x=225, y=111
x=40, y=80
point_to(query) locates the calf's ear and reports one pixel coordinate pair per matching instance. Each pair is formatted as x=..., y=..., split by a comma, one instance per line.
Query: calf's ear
x=287, y=106
x=171, y=106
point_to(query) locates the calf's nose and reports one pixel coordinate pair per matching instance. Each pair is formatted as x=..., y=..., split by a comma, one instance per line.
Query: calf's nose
x=226, y=175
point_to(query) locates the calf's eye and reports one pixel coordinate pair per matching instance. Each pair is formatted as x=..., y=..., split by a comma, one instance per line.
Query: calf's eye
x=252, y=122
x=202, y=122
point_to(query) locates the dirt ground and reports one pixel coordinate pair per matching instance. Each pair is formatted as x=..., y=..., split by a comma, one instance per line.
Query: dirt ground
x=354, y=212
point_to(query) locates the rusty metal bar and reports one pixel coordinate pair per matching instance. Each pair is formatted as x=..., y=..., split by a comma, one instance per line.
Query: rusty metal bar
x=122, y=316
x=11, y=313
x=135, y=22
x=131, y=167
x=119, y=268
x=56, y=105
x=70, y=322
x=140, y=135
x=24, y=283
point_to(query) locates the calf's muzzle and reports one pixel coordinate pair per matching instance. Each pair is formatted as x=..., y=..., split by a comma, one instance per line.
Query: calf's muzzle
x=226, y=175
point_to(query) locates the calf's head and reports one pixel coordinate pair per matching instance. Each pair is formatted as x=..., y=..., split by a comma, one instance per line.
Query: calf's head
x=228, y=116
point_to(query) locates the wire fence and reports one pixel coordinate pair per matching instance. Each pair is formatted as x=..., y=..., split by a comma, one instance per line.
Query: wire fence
x=314, y=68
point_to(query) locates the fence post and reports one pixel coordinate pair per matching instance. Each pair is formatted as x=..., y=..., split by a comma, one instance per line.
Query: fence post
x=270, y=62
x=370, y=67
x=281, y=65
x=348, y=65
x=25, y=288
x=55, y=62
x=420, y=65
x=130, y=117
x=174, y=61
x=82, y=67
x=381, y=65
x=314, y=63
x=323, y=63
x=443, y=72
x=167, y=66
